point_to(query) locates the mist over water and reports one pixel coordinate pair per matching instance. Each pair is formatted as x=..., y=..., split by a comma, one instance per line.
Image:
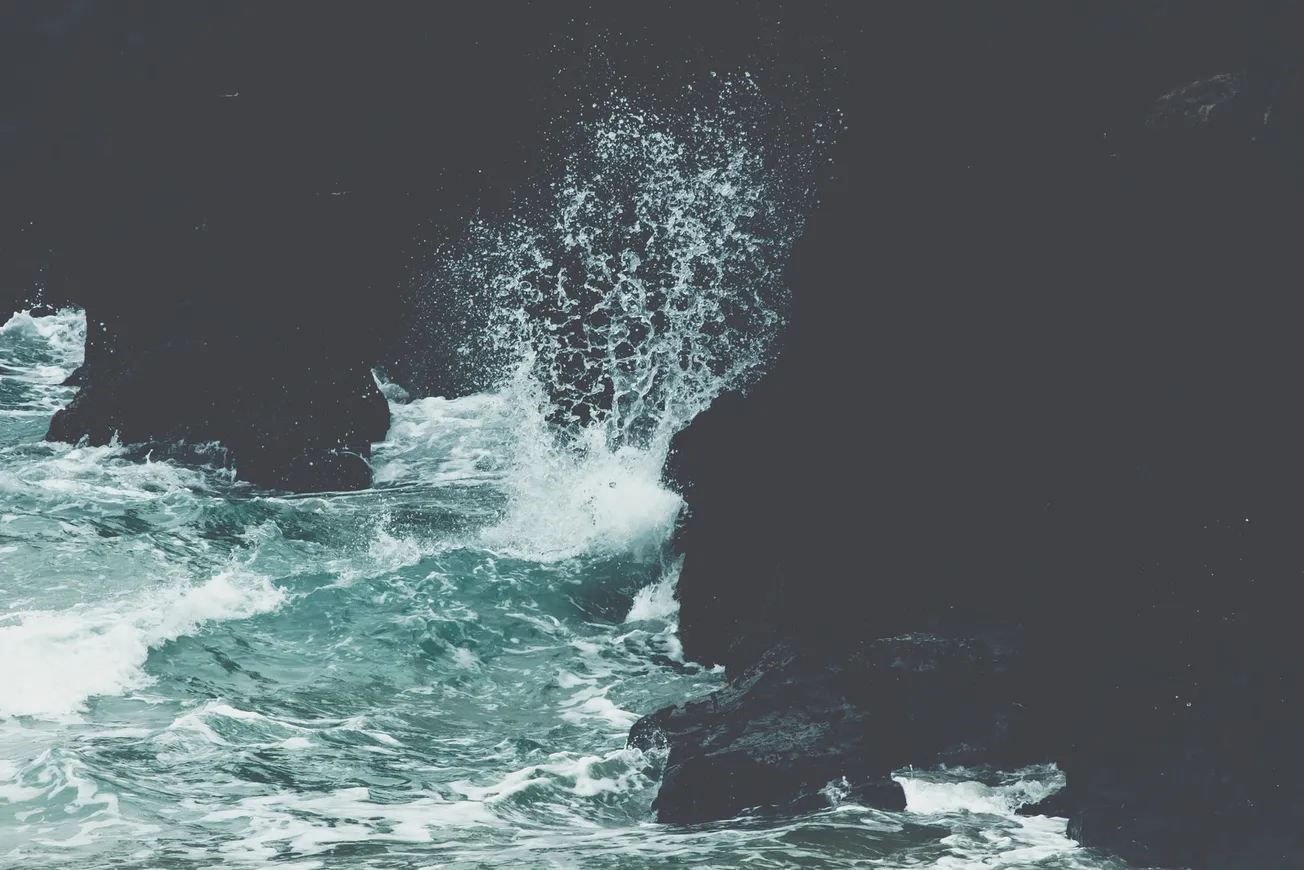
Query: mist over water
x=440, y=671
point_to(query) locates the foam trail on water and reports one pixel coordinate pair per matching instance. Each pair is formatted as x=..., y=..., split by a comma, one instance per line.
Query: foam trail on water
x=656, y=602
x=649, y=283
x=54, y=661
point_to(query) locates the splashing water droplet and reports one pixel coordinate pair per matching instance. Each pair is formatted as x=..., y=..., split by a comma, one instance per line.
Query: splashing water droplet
x=647, y=283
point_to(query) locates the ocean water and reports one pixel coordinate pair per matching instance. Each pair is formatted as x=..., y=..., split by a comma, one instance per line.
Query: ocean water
x=439, y=671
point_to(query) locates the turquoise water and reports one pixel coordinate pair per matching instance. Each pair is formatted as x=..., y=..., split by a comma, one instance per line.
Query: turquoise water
x=440, y=671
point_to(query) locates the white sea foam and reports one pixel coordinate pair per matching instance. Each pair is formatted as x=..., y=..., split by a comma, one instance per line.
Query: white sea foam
x=307, y=825
x=656, y=601
x=584, y=497
x=52, y=345
x=954, y=795
x=934, y=798
x=36, y=355
x=583, y=776
x=439, y=441
x=562, y=500
x=53, y=661
x=958, y=789
x=65, y=472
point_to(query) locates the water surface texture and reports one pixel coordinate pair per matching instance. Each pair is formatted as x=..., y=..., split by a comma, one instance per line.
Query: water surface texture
x=440, y=671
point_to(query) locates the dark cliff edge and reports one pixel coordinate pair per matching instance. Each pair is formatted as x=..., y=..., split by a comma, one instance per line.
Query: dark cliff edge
x=1024, y=484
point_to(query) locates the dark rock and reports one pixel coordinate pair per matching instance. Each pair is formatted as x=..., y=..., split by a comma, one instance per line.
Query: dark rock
x=1182, y=808
x=318, y=471
x=795, y=721
x=1195, y=766
x=285, y=427
x=1020, y=398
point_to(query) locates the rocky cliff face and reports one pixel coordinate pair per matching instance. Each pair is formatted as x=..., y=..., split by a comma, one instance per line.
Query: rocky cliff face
x=1035, y=395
